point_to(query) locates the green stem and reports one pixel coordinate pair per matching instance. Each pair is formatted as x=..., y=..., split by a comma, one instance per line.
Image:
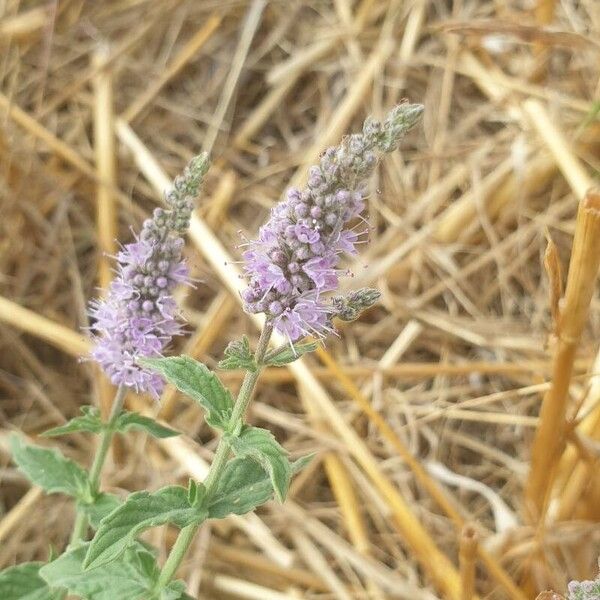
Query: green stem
x=186, y=535
x=80, y=525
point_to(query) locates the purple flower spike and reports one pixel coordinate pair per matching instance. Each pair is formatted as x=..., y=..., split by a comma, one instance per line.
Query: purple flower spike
x=295, y=258
x=138, y=317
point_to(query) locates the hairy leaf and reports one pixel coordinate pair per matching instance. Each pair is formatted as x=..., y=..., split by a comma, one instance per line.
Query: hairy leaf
x=261, y=446
x=238, y=356
x=288, y=354
x=101, y=507
x=140, y=511
x=243, y=486
x=89, y=421
x=131, y=420
x=199, y=383
x=23, y=582
x=49, y=469
x=130, y=578
x=196, y=492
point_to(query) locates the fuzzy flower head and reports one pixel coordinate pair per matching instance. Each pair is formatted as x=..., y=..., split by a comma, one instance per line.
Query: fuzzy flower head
x=295, y=260
x=138, y=317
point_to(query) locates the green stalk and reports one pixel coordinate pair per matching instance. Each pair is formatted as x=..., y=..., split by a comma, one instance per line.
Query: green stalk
x=80, y=524
x=186, y=535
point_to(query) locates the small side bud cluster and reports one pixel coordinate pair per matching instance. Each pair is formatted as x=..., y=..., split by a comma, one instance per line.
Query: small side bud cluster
x=295, y=259
x=139, y=315
x=350, y=307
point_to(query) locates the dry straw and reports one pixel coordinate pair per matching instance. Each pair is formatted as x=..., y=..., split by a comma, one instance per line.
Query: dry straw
x=581, y=284
x=452, y=367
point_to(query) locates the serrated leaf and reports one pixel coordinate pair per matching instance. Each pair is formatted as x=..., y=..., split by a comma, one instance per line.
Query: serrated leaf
x=131, y=578
x=261, y=446
x=288, y=354
x=132, y=420
x=238, y=356
x=89, y=421
x=49, y=469
x=23, y=582
x=140, y=511
x=199, y=383
x=244, y=486
x=101, y=507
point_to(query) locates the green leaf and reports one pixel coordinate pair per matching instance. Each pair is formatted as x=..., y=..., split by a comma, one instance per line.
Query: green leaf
x=130, y=578
x=89, y=421
x=49, y=469
x=101, y=507
x=132, y=420
x=133, y=577
x=175, y=591
x=243, y=486
x=302, y=462
x=238, y=356
x=261, y=446
x=287, y=354
x=199, y=383
x=196, y=493
x=140, y=511
x=23, y=582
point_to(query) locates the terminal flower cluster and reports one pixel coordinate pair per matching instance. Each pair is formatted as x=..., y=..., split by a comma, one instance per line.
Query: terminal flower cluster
x=138, y=317
x=295, y=260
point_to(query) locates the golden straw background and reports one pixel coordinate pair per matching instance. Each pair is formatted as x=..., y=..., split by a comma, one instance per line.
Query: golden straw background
x=457, y=423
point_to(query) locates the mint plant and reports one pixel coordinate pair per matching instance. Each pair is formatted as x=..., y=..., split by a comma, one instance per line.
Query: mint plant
x=291, y=268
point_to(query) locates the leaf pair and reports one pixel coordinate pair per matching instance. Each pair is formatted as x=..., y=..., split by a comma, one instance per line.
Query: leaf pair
x=287, y=354
x=239, y=356
x=243, y=486
x=133, y=577
x=90, y=421
x=198, y=382
x=57, y=474
x=142, y=511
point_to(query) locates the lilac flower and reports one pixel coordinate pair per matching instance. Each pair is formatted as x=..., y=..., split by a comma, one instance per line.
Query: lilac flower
x=139, y=315
x=295, y=259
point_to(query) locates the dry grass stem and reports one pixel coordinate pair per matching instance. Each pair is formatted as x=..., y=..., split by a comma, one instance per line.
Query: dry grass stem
x=423, y=412
x=583, y=272
x=467, y=558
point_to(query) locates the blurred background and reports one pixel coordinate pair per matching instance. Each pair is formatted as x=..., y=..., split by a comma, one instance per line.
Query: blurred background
x=422, y=413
